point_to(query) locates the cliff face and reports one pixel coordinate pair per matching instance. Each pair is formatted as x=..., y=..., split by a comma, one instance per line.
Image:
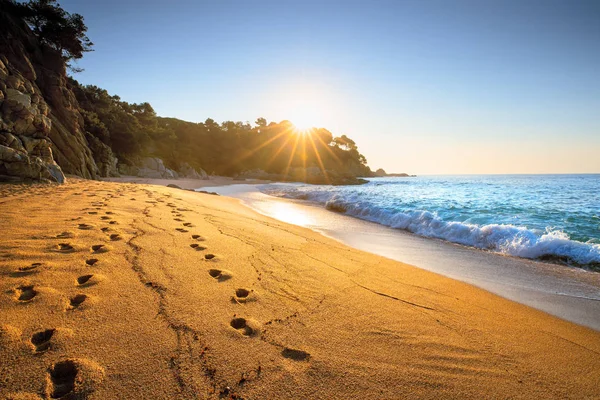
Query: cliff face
x=42, y=134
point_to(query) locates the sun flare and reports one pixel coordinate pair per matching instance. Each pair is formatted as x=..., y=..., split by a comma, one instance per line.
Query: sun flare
x=302, y=129
x=304, y=117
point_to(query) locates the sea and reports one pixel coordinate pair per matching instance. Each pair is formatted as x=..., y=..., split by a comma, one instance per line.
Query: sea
x=544, y=217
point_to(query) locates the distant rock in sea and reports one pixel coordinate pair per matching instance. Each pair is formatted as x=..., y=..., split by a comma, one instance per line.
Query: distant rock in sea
x=380, y=173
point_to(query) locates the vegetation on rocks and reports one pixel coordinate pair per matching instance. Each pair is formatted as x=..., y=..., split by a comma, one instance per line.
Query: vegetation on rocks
x=87, y=127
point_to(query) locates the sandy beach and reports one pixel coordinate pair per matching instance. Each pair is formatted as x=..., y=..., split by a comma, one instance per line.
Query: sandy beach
x=569, y=293
x=126, y=291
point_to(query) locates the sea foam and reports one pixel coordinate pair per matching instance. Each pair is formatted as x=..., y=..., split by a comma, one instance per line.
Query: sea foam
x=520, y=241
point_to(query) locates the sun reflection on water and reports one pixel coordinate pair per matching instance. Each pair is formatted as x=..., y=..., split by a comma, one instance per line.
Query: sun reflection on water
x=288, y=212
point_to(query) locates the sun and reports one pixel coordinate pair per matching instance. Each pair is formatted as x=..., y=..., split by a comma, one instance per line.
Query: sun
x=302, y=129
x=309, y=104
x=304, y=118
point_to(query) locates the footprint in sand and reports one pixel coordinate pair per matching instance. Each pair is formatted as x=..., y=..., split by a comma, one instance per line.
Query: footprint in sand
x=241, y=295
x=41, y=340
x=25, y=293
x=220, y=275
x=105, y=229
x=209, y=256
x=113, y=222
x=91, y=261
x=62, y=379
x=198, y=237
x=188, y=224
x=245, y=326
x=296, y=355
x=115, y=236
x=84, y=280
x=92, y=212
x=77, y=300
x=31, y=267
x=26, y=270
x=85, y=227
x=65, y=248
x=177, y=219
x=181, y=230
x=99, y=248
x=65, y=235
x=109, y=213
x=73, y=379
x=197, y=247
x=105, y=217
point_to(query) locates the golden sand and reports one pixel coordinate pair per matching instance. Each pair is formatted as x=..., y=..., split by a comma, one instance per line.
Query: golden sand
x=128, y=291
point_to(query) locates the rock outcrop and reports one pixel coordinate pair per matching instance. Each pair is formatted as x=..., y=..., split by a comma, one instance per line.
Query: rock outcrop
x=154, y=168
x=25, y=150
x=380, y=173
x=186, y=171
x=42, y=132
x=103, y=156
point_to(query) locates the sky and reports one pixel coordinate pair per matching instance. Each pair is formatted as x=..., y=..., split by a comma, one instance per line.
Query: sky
x=424, y=87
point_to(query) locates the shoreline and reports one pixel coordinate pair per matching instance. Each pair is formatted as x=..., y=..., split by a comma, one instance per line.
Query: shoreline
x=184, y=183
x=140, y=291
x=567, y=292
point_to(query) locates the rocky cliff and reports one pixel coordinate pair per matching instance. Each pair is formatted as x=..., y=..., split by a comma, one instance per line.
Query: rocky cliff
x=42, y=135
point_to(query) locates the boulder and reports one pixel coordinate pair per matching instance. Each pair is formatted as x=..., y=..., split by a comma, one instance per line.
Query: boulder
x=187, y=171
x=154, y=168
x=129, y=170
x=149, y=173
x=18, y=164
x=9, y=140
x=18, y=98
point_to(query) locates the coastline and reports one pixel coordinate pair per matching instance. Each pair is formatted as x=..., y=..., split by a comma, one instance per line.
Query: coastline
x=280, y=311
x=184, y=183
x=566, y=292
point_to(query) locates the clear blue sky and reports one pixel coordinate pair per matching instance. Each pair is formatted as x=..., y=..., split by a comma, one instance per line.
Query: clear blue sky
x=423, y=86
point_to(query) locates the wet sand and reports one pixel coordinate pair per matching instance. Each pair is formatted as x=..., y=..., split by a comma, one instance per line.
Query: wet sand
x=114, y=291
x=567, y=292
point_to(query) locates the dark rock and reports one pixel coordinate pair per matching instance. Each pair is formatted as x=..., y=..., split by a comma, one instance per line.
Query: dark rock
x=39, y=115
x=154, y=168
x=186, y=171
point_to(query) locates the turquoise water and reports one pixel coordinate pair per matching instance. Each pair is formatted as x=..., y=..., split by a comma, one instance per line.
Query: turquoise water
x=555, y=217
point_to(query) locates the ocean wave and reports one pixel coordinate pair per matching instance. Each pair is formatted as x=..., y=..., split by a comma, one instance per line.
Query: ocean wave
x=551, y=245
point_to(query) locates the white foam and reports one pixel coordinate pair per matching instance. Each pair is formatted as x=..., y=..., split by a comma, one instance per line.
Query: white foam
x=503, y=238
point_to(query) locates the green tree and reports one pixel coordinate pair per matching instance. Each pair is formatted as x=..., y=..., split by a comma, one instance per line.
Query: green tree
x=55, y=27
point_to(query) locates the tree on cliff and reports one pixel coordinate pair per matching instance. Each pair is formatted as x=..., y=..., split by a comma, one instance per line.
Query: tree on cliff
x=62, y=31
